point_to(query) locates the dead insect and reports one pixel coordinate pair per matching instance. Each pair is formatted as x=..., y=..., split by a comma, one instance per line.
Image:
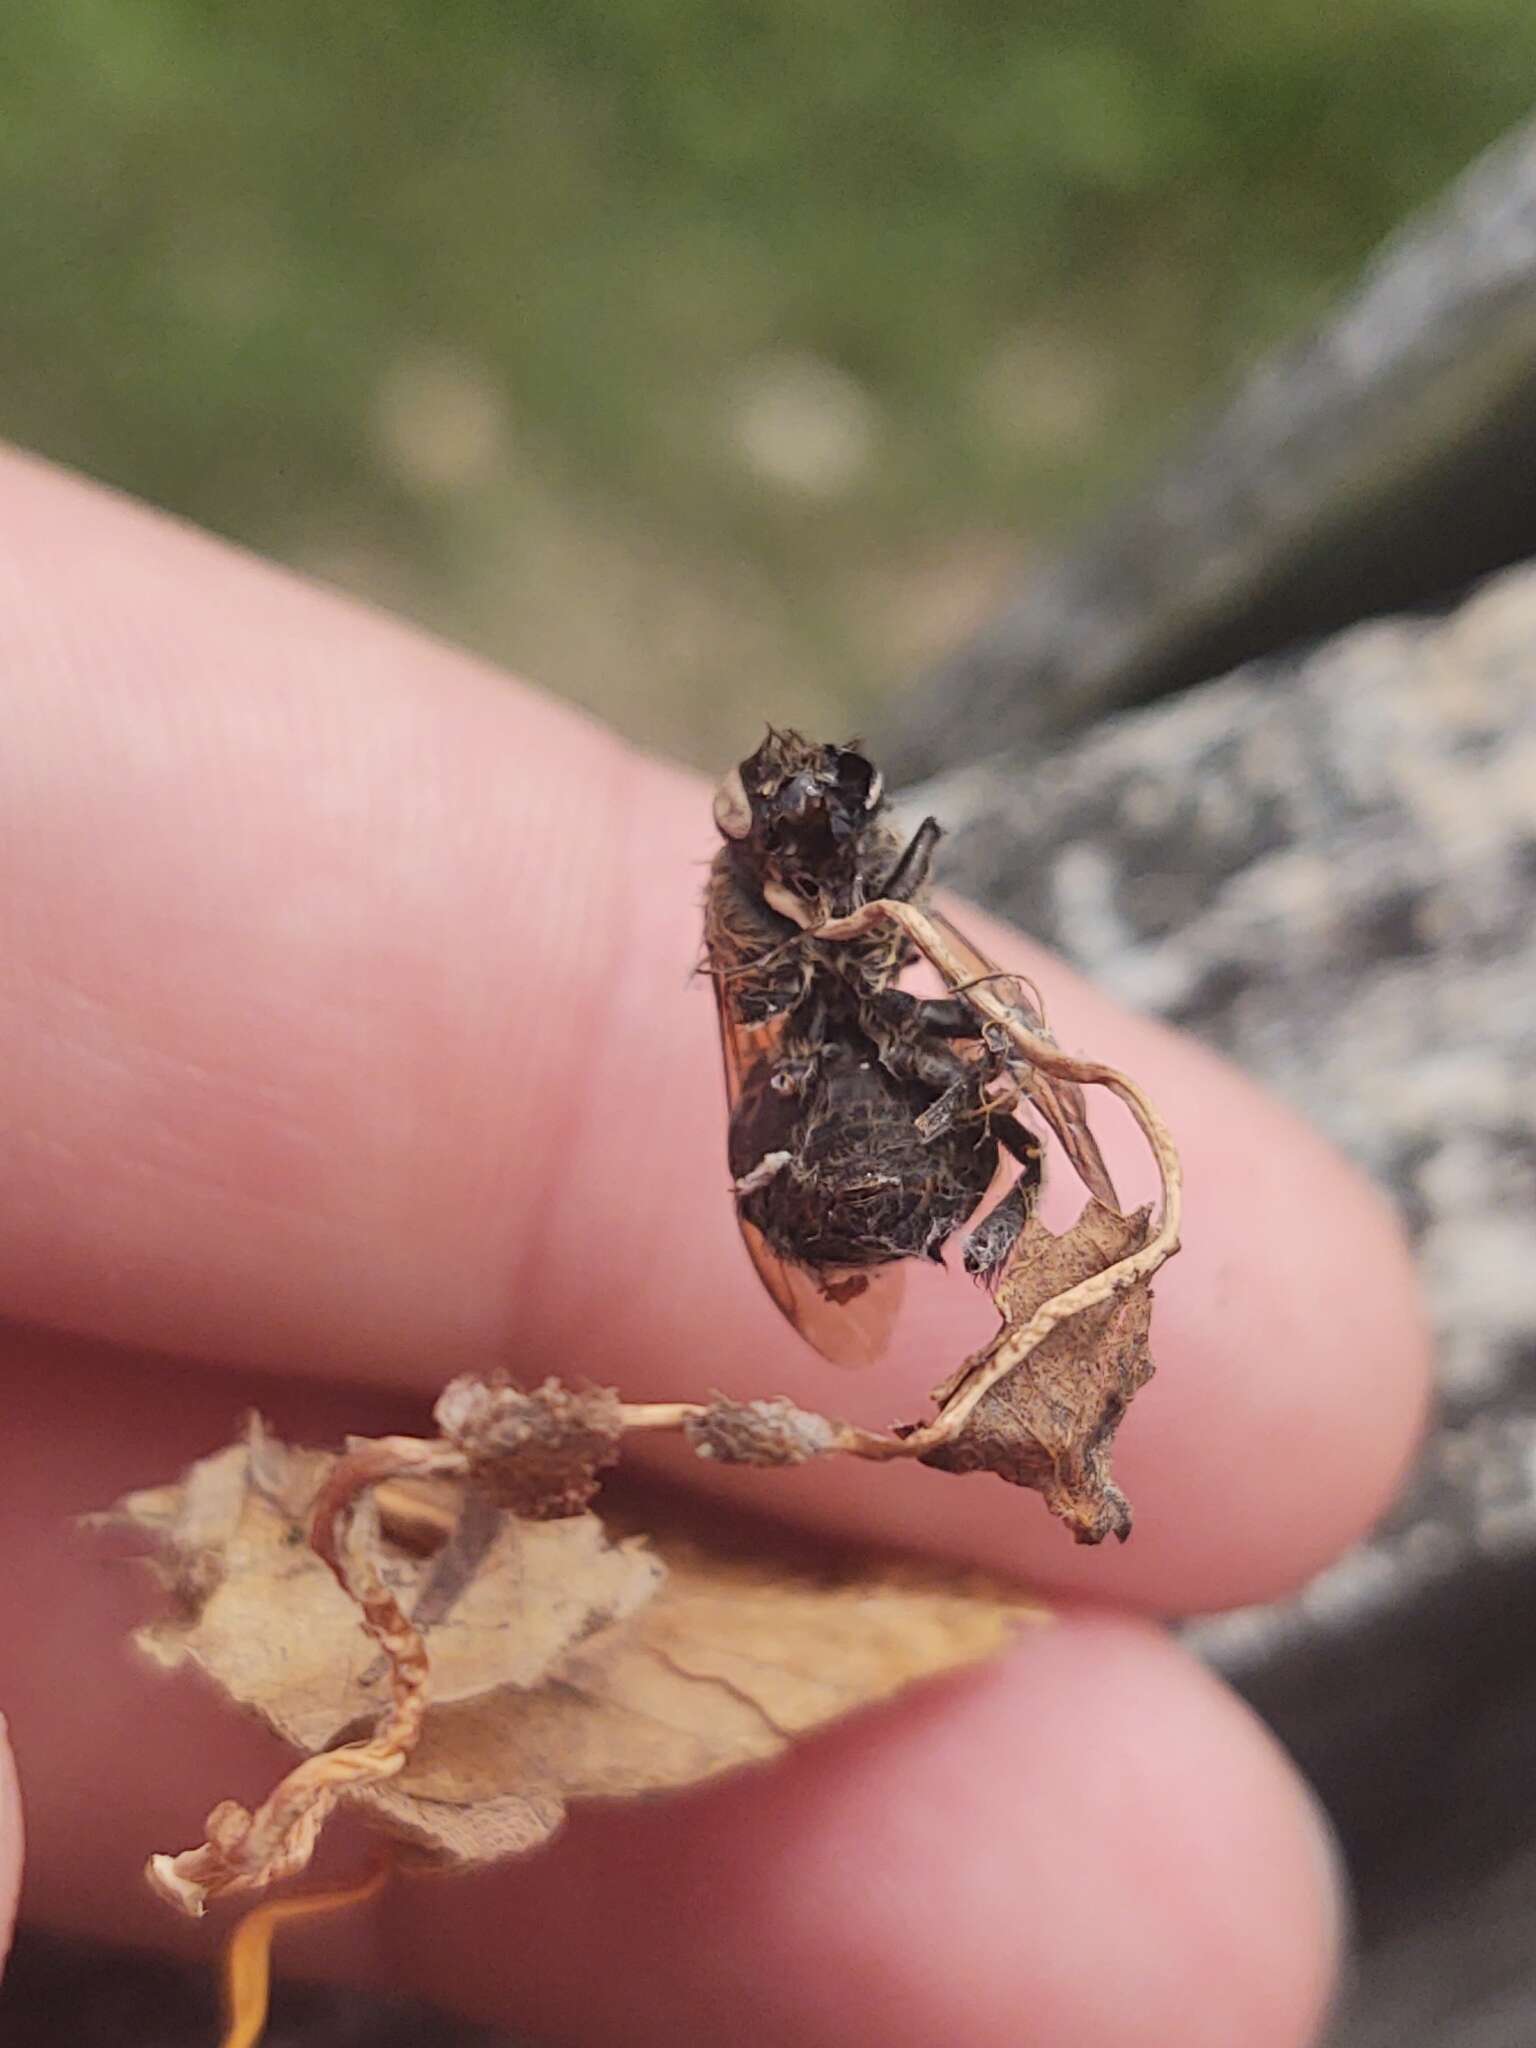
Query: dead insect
x=866, y=1123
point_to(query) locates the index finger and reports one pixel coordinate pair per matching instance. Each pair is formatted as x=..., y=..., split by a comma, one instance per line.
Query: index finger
x=347, y=1028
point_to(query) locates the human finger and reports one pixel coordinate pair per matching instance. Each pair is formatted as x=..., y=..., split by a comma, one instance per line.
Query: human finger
x=347, y=1028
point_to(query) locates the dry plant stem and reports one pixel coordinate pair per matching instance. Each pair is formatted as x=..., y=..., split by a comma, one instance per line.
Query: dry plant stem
x=248, y=1955
x=248, y=1851
x=847, y=1437
x=659, y=1414
x=1059, y=1101
x=1013, y=1346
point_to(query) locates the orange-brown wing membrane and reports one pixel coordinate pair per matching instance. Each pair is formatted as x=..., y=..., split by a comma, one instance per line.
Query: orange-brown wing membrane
x=742, y=1046
x=847, y=1317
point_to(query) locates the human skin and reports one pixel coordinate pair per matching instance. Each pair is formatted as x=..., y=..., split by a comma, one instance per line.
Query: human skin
x=346, y=1043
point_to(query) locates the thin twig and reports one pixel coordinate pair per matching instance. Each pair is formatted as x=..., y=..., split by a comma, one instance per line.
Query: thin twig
x=660, y=1414
x=248, y=1954
x=247, y=1851
x=1043, y=1054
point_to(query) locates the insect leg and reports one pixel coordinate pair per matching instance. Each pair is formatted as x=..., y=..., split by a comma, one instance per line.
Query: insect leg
x=958, y=1099
x=890, y=1013
x=911, y=870
x=911, y=1033
x=770, y=1165
x=912, y=1040
x=987, y=1246
x=943, y=1016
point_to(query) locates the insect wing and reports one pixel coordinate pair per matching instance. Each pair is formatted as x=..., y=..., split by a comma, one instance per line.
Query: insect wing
x=846, y=1316
x=1060, y=1102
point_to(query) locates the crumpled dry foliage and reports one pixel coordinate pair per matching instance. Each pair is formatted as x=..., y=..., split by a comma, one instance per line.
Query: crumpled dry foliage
x=567, y=1666
x=1049, y=1423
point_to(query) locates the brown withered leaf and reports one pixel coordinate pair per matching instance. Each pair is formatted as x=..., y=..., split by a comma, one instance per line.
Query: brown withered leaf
x=733, y=1659
x=571, y=1664
x=1049, y=1423
x=194, y=1522
x=281, y=1637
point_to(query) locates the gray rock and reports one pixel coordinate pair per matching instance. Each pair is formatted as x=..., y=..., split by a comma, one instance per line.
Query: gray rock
x=1387, y=459
x=1326, y=867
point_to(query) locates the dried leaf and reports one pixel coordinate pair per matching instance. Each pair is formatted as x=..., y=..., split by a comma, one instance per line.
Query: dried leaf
x=1049, y=1423
x=731, y=1661
x=540, y=1452
x=571, y=1665
x=280, y=1636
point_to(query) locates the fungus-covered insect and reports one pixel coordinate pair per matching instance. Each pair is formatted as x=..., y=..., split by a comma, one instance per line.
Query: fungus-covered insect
x=867, y=1124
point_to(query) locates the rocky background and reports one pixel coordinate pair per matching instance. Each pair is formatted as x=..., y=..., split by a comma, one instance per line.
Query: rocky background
x=1324, y=864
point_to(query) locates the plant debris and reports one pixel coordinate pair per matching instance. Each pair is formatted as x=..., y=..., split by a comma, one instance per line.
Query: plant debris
x=1049, y=1420
x=248, y=1953
x=772, y=1432
x=568, y=1665
x=540, y=1452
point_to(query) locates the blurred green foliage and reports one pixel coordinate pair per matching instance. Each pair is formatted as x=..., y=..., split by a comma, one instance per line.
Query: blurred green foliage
x=707, y=360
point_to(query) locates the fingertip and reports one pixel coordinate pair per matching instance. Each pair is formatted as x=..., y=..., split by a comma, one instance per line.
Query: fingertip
x=1092, y=1844
x=1297, y=1367
x=1369, y=1309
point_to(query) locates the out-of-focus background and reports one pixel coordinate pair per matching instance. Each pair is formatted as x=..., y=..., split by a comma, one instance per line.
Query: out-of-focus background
x=696, y=359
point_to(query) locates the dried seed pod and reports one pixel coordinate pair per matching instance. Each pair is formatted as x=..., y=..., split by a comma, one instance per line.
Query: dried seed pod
x=772, y=1432
x=538, y=1453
